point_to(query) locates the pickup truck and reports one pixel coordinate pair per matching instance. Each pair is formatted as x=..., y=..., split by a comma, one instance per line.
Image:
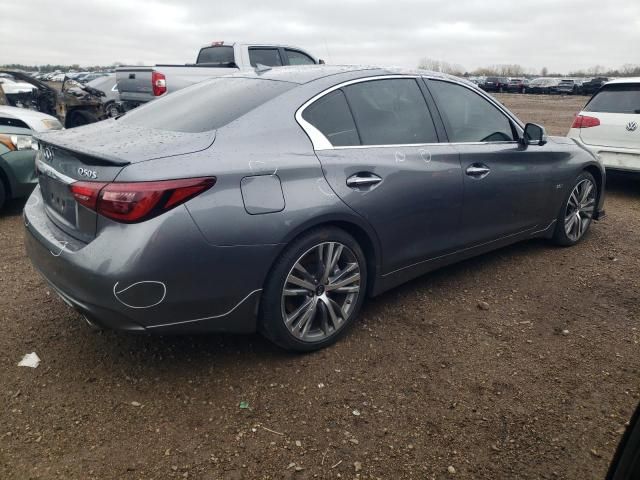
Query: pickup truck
x=138, y=85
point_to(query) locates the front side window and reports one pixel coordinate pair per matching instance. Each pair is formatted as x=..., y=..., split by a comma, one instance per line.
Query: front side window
x=330, y=114
x=269, y=57
x=390, y=112
x=467, y=116
x=298, y=58
x=616, y=98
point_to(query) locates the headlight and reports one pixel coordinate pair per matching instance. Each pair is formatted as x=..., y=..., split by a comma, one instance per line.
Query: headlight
x=17, y=142
x=52, y=123
x=22, y=142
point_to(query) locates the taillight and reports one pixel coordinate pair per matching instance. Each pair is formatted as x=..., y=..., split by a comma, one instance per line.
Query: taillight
x=584, y=121
x=159, y=83
x=138, y=201
x=86, y=193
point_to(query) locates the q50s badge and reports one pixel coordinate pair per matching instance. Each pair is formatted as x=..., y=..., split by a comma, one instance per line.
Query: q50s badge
x=85, y=172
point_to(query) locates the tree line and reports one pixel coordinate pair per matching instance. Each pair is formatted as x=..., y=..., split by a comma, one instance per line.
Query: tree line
x=515, y=70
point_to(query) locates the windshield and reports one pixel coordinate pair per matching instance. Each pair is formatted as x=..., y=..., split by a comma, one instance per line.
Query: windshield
x=206, y=106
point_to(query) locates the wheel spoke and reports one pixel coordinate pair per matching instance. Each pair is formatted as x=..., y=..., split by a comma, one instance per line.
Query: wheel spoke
x=305, y=273
x=586, y=190
x=332, y=263
x=301, y=309
x=300, y=282
x=342, y=283
x=306, y=320
x=331, y=308
x=295, y=292
x=349, y=268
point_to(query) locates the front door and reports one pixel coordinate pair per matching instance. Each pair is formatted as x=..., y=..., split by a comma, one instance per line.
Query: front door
x=508, y=189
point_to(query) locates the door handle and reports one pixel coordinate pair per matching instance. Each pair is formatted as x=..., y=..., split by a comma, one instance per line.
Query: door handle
x=363, y=179
x=477, y=170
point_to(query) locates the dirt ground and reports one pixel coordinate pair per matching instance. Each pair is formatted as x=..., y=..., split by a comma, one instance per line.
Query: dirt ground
x=426, y=386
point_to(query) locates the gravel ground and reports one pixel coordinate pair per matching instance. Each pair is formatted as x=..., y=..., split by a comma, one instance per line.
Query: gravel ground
x=538, y=383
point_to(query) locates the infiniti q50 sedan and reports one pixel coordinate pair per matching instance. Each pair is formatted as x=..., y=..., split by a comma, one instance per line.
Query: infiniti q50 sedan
x=276, y=201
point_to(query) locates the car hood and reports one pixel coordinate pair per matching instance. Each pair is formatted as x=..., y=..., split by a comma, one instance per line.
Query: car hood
x=37, y=121
x=123, y=144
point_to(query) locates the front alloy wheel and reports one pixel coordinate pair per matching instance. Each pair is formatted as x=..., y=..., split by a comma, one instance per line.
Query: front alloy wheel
x=320, y=291
x=580, y=208
x=577, y=211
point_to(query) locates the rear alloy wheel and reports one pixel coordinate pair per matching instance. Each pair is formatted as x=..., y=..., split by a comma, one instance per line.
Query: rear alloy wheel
x=577, y=212
x=315, y=291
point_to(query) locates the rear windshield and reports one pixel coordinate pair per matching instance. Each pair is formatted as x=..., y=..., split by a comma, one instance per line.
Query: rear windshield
x=620, y=98
x=220, y=56
x=207, y=105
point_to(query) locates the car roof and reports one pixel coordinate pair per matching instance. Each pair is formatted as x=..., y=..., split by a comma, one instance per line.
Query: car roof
x=624, y=80
x=308, y=73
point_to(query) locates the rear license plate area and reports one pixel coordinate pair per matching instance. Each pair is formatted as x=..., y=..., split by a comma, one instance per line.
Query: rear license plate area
x=58, y=198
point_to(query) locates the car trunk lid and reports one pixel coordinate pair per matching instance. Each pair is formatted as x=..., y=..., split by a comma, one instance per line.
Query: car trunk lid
x=98, y=153
x=616, y=130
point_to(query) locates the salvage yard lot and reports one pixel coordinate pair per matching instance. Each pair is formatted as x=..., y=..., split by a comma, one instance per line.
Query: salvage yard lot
x=538, y=383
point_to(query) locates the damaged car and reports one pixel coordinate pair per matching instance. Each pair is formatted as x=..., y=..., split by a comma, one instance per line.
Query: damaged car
x=17, y=148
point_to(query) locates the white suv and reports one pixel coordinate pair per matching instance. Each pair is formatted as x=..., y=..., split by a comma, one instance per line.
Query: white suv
x=609, y=125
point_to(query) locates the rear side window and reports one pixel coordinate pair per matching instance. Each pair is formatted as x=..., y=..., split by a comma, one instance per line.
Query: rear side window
x=390, y=112
x=616, y=98
x=207, y=105
x=298, y=58
x=269, y=57
x=330, y=114
x=467, y=116
x=220, y=56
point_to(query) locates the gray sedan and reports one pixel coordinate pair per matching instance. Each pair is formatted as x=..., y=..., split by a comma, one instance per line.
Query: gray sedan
x=278, y=200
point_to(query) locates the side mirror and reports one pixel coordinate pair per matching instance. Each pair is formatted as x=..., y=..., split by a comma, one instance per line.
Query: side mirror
x=534, y=135
x=320, y=61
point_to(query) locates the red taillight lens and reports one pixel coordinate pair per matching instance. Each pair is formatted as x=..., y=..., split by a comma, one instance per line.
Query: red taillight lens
x=584, y=121
x=138, y=201
x=159, y=83
x=86, y=193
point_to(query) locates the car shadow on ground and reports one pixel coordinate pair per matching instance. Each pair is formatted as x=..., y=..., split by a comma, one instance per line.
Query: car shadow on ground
x=220, y=351
x=13, y=208
x=625, y=184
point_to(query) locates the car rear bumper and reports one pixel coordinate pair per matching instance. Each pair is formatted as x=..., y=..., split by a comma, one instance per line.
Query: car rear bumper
x=612, y=158
x=159, y=276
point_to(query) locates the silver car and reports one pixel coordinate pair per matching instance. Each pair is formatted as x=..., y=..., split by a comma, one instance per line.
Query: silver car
x=278, y=200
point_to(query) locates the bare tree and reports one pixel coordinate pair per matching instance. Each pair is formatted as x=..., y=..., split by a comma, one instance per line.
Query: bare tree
x=440, y=66
x=544, y=72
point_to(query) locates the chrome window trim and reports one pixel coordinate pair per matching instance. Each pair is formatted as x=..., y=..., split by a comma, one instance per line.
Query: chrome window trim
x=320, y=142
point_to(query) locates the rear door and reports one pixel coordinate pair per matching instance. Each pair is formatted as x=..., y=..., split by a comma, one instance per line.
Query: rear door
x=507, y=188
x=380, y=153
x=617, y=106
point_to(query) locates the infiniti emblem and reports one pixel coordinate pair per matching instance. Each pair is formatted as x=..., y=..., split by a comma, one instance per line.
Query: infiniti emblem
x=48, y=154
x=631, y=126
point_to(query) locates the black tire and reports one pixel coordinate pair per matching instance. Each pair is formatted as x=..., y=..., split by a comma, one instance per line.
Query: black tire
x=272, y=322
x=3, y=194
x=560, y=236
x=79, y=118
x=112, y=109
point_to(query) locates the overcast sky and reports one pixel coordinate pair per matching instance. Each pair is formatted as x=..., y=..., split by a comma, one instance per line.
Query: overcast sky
x=562, y=35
